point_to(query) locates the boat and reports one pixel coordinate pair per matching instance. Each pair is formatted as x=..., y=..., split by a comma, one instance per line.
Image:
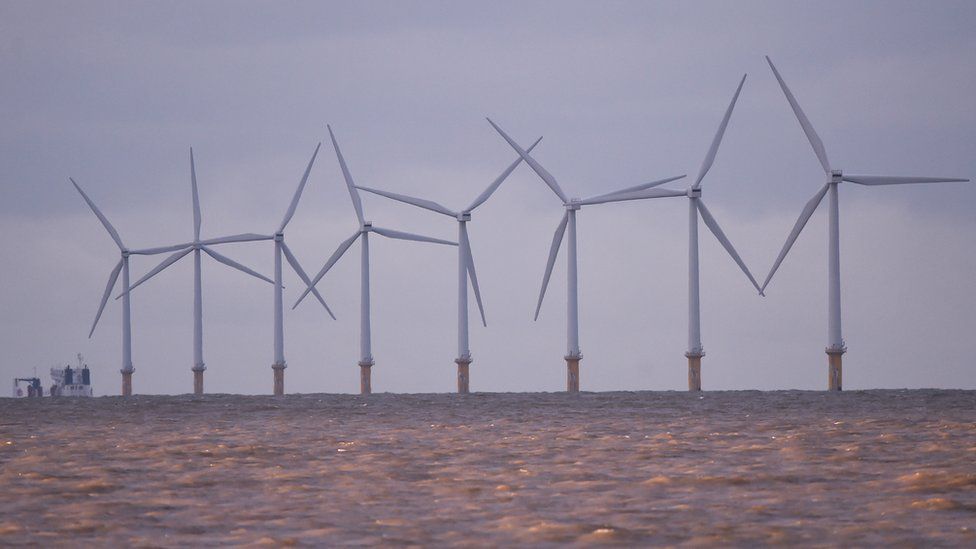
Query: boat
x=65, y=381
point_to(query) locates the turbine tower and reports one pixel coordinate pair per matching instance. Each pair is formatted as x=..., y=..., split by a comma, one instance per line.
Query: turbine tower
x=836, y=346
x=279, y=365
x=696, y=206
x=568, y=224
x=196, y=246
x=121, y=267
x=465, y=263
x=365, y=227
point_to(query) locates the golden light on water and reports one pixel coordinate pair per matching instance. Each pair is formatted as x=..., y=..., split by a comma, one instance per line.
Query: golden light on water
x=509, y=469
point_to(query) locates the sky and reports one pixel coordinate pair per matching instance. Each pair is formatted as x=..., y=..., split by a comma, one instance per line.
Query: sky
x=114, y=94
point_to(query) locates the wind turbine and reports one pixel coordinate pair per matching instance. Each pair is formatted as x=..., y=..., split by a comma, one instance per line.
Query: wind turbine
x=835, y=342
x=465, y=262
x=568, y=223
x=696, y=206
x=281, y=248
x=365, y=227
x=196, y=246
x=121, y=267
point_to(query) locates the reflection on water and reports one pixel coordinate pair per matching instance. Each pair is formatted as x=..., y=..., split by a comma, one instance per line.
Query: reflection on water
x=861, y=468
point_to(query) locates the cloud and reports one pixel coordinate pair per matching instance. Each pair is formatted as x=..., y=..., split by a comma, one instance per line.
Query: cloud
x=114, y=94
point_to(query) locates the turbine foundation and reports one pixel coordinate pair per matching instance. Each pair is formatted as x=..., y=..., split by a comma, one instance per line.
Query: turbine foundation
x=279, y=378
x=127, y=382
x=365, y=383
x=463, y=378
x=694, y=371
x=198, y=379
x=835, y=369
x=572, y=373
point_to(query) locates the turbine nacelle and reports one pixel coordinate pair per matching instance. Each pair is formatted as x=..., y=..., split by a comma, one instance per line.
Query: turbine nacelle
x=367, y=227
x=464, y=216
x=573, y=205
x=694, y=193
x=836, y=176
x=279, y=236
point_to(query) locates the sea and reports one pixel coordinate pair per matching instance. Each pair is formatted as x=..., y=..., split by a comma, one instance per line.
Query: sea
x=738, y=468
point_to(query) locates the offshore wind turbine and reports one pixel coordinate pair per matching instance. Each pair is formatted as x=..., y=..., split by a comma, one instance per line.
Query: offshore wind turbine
x=696, y=206
x=196, y=246
x=279, y=365
x=465, y=263
x=366, y=361
x=836, y=346
x=121, y=267
x=568, y=224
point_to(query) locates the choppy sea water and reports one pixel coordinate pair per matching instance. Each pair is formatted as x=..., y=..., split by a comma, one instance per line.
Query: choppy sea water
x=744, y=468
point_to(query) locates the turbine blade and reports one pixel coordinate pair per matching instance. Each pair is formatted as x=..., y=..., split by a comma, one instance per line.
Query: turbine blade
x=293, y=261
x=244, y=237
x=196, y=197
x=112, y=278
x=165, y=263
x=800, y=223
x=720, y=235
x=498, y=181
x=897, y=180
x=350, y=184
x=815, y=142
x=634, y=195
x=298, y=192
x=469, y=261
x=328, y=265
x=635, y=188
x=161, y=249
x=710, y=157
x=98, y=213
x=419, y=202
x=545, y=175
x=557, y=239
x=231, y=263
x=390, y=233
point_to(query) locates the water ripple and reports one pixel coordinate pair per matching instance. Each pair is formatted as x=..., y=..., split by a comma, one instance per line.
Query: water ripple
x=629, y=468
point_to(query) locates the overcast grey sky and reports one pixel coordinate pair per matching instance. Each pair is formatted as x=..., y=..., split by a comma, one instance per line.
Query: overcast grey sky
x=114, y=94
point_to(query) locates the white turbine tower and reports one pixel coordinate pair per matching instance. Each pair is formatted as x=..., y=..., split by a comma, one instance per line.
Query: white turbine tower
x=835, y=341
x=279, y=365
x=696, y=206
x=465, y=263
x=637, y=192
x=365, y=227
x=196, y=246
x=121, y=267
